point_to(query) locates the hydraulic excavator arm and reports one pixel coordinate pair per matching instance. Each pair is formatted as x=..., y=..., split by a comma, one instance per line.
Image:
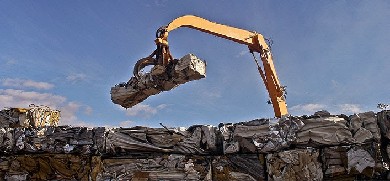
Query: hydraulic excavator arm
x=254, y=41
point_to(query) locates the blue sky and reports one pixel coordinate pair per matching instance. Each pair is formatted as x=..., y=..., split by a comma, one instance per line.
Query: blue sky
x=331, y=55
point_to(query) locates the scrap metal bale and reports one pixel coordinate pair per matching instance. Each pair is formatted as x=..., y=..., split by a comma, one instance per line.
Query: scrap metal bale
x=294, y=165
x=49, y=167
x=384, y=123
x=14, y=117
x=281, y=135
x=6, y=140
x=366, y=161
x=199, y=139
x=259, y=135
x=96, y=168
x=359, y=159
x=63, y=139
x=335, y=162
x=4, y=167
x=246, y=137
x=188, y=68
x=354, y=162
x=160, y=79
x=194, y=140
x=140, y=139
x=39, y=116
x=383, y=118
x=239, y=167
x=72, y=139
x=99, y=139
x=34, y=116
x=364, y=127
x=159, y=167
x=324, y=131
x=8, y=118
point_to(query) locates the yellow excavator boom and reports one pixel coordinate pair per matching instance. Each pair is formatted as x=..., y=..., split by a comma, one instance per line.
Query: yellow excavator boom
x=254, y=41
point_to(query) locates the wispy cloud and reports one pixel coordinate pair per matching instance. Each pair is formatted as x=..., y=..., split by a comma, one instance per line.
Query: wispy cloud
x=88, y=110
x=22, y=98
x=7, y=60
x=69, y=115
x=126, y=124
x=144, y=110
x=214, y=94
x=307, y=108
x=10, y=62
x=24, y=83
x=160, y=3
x=242, y=53
x=76, y=77
x=349, y=108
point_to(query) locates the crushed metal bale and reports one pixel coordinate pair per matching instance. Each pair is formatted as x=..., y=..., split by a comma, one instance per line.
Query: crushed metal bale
x=159, y=79
x=294, y=165
x=159, y=167
x=33, y=116
x=239, y=167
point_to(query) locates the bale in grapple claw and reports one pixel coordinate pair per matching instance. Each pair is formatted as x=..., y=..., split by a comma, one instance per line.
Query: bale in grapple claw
x=160, y=78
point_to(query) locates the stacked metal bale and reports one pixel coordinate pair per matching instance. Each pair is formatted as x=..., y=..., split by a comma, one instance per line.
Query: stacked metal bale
x=317, y=147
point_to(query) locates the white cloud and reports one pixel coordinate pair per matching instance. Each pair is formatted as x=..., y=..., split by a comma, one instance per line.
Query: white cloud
x=144, y=110
x=307, y=108
x=69, y=115
x=7, y=60
x=24, y=83
x=10, y=62
x=212, y=94
x=349, y=108
x=21, y=98
x=161, y=106
x=242, y=53
x=88, y=110
x=334, y=109
x=126, y=124
x=76, y=77
x=160, y=3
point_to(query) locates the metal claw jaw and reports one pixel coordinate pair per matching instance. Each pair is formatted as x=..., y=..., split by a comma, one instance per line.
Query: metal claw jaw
x=142, y=63
x=162, y=54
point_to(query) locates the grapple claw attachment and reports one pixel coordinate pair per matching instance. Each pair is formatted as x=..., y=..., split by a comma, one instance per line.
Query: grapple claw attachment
x=142, y=63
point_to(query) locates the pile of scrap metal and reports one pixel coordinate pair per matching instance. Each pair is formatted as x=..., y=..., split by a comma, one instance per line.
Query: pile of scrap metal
x=317, y=147
x=159, y=79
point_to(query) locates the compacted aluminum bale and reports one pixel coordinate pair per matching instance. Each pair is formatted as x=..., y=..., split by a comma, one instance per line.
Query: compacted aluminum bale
x=34, y=116
x=239, y=167
x=297, y=164
x=259, y=136
x=62, y=139
x=364, y=127
x=160, y=79
x=194, y=140
x=324, y=131
x=173, y=167
x=51, y=167
x=363, y=162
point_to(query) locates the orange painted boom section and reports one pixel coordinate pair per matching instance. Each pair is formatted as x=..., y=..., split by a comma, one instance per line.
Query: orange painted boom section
x=255, y=43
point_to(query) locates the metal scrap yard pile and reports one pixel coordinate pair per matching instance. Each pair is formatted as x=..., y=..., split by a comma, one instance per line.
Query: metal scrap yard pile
x=317, y=147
